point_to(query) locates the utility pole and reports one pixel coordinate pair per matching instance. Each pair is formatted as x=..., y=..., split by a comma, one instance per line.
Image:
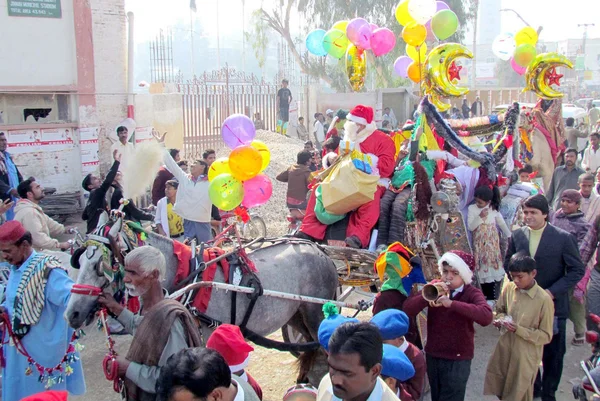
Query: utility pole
x=581, y=74
x=192, y=52
x=243, y=36
x=218, y=41
x=474, y=64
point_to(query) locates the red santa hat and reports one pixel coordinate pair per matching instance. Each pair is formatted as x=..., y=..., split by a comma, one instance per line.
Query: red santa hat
x=11, y=231
x=228, y=341
x=462, y=261
x=361, y=115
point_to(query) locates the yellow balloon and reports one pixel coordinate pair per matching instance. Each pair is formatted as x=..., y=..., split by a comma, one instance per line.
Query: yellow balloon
x=341, y=25
x=264, y=151
x=414, y=34
x=219, y=166
x=414, y=72
x=536, y=77
x=402, y=14
x=415, y=52
x=356, y=67
x=437, y=64
x=526, y=36
x=245, y=162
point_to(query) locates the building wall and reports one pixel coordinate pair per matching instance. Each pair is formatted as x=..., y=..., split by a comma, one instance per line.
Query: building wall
x=39, y=51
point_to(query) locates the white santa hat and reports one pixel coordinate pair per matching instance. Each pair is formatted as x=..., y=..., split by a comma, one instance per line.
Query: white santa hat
x=228, y=341
x=462, y=261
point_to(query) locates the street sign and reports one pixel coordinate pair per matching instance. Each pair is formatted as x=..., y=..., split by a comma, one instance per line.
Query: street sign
x=34, y=8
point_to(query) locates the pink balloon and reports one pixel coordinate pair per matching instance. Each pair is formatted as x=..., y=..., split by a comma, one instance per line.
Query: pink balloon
x=441, y=6
x=516, y=67
x=383, y=41
x=257, y=191
x=401, y=66
x=430, y=36
x=373, y=27
x=356, y=30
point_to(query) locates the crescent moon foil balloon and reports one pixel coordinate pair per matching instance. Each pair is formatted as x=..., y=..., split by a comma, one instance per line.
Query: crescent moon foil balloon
x=536, y=74
x=356, y=67
x=438, y=83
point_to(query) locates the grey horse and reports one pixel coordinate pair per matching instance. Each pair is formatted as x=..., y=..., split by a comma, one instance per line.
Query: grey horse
x=299, y=268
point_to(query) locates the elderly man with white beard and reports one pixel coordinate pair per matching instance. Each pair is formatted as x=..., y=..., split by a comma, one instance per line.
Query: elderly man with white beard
x=360, y=134
x=162, y=328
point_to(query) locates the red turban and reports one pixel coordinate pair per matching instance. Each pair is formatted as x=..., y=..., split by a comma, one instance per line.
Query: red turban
x=47, y=396
x=11, y=231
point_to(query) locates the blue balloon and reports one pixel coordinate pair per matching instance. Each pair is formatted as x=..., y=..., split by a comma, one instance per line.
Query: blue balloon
x=314, y=42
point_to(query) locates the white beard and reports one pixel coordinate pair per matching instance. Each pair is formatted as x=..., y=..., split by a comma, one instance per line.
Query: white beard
x=350, y=131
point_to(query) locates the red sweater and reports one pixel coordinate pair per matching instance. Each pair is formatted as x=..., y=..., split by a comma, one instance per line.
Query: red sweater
x=158, y=187
x=450, y=331
x=411, y=389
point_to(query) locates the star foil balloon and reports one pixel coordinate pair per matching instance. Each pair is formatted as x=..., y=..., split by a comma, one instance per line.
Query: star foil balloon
x=552, y=77
x=454, y=71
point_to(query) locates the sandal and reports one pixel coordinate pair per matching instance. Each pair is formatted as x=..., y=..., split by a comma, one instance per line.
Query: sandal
x=578, y=340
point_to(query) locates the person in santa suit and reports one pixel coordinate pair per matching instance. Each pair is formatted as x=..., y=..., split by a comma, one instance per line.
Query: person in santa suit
x=228, y=341
x=360, y=134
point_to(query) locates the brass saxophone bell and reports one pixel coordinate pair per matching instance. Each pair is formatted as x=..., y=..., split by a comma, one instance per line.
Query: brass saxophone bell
x=433, y=291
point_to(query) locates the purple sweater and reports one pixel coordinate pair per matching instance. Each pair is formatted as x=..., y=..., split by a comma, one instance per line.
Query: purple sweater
x=450, y=331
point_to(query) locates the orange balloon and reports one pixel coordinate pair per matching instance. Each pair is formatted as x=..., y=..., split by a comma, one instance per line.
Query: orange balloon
x=414, y=34
x=245, y=162
x=414, y=72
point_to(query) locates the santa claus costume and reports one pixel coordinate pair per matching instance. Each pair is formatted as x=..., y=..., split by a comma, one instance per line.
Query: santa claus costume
x=360, y=133
x=229, y=341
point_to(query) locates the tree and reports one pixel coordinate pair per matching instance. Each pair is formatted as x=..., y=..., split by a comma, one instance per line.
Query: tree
x=323, y=14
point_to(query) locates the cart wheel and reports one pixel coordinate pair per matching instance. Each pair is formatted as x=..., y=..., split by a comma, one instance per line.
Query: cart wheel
x=292, y=336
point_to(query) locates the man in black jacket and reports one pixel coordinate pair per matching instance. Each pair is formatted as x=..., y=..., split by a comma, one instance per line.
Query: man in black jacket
x=559, y=269
x=97, y=203
x=132, y=212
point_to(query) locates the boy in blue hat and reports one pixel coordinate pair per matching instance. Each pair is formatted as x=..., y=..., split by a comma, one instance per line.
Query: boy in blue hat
x=393, y=326
x=332, y=321
x=395, y=368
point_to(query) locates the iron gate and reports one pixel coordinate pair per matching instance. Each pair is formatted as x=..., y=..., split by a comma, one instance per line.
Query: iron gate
x=211, y=97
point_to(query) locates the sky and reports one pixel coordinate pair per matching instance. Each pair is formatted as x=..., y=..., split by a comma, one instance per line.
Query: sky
x=558, y=17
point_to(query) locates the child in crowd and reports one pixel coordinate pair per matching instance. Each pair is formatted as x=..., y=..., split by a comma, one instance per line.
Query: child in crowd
x=393, y=326
x=301, y=392
x=524, y=174
x=484, y=219
x=450, y=333
x=395, y=368
x=525, y=312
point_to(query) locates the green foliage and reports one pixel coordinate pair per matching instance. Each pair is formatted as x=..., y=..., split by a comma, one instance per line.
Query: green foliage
x=258, y=37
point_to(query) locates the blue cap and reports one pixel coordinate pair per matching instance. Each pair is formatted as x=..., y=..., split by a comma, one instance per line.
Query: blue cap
x=329, y=325
x=392, y=323
x=395, y=364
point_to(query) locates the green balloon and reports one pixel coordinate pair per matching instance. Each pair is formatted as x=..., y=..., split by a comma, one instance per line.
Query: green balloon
x=444, y=24
x=335, y=43
x=225, y=192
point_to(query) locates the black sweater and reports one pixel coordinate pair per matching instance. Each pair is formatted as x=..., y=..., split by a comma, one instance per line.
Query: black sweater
x=96, y=203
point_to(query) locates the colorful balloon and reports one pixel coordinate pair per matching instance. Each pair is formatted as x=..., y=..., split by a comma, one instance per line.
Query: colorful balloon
x=516, y=67
x=414, y=34
x=440, y=5
x=504, y=46
x=264, y=151
x=335, y=43
x=401, y=66
x=524, y=54
x=257, y=191
x=218, y=167
x=526, y=36
x=417, y=53
x=422, y=10
x=356, y=67
x=237, y=130
x=414, y=72
x=341, y=25
x=314, y=42
x=537, y=71
x=373, y=27
x=225, y=192
x=444, y=24
x=402, y=15
x=245, y=162
x=383, y=41
x=359, y=33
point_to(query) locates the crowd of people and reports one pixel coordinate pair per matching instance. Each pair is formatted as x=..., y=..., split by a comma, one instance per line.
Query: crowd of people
x=547, y=275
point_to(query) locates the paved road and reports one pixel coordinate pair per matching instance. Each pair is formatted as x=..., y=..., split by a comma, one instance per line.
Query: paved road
x=275, y=370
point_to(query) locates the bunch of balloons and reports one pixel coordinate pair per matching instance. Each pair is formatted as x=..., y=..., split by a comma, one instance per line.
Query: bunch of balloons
x=422, y=20
x=351, y=39
x=236, y=180
x=518, y=48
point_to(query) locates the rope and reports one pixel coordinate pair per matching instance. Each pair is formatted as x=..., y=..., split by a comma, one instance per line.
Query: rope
x=109, y=363
x=84, y=289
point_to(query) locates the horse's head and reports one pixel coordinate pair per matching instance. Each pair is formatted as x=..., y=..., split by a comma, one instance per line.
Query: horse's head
x=99, y=268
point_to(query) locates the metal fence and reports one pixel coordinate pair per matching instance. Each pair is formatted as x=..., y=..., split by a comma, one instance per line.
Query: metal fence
x=210, y=98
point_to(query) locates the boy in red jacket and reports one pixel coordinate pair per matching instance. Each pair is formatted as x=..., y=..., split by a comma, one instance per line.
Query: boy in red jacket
x=450, y=332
